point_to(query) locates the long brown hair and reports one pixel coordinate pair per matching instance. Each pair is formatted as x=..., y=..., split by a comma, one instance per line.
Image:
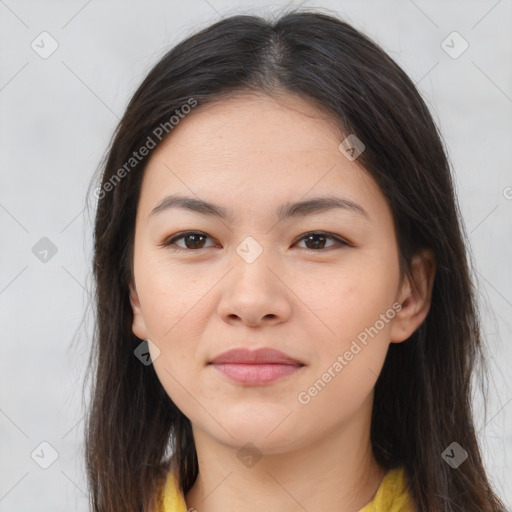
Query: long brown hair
x=422, y=401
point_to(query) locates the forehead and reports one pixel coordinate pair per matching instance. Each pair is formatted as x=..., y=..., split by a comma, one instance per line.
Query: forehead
x=257, y=122
x=254, y=150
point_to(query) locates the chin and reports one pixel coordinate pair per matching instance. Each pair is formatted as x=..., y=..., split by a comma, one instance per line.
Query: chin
x=268, y=436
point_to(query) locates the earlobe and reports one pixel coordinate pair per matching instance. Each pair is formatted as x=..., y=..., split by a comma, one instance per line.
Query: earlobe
x=138, y=324
x=415, y=296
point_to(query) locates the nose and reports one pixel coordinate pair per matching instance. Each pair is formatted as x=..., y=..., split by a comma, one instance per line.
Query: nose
x=255, y=295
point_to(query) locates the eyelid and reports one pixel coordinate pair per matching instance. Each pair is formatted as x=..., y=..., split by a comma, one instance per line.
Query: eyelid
x=178, y=236
x=326, y=234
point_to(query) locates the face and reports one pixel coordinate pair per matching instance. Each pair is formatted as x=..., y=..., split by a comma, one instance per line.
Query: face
x=320, y=284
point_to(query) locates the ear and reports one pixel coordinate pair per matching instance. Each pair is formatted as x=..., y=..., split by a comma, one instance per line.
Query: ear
x=139, y=324
x=414, y=296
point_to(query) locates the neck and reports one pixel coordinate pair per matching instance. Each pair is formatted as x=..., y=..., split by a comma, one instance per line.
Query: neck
x=336, y=472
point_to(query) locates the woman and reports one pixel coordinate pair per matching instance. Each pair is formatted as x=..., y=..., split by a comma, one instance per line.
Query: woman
x=277, y=233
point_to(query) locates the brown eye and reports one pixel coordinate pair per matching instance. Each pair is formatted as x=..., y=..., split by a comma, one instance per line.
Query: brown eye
x=192, y=240
x=316, y=241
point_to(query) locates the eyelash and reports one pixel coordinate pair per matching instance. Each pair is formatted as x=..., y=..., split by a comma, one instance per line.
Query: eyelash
x=172, y=240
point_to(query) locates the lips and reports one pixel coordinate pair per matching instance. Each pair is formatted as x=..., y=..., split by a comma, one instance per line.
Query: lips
x=256, y=367
x=260, y=356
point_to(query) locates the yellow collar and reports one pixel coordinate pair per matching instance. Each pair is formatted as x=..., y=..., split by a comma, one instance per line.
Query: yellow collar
x=391, y=496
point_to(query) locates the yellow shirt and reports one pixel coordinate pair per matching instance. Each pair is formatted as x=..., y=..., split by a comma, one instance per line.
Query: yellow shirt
x=391, y=496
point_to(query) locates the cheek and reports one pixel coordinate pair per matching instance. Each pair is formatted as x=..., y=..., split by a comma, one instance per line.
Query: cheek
x=172, y=297
x=350, y=360
x=352, y=301
x=357, y=308
x=176, y=309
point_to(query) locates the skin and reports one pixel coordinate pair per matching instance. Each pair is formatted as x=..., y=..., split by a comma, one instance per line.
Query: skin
x=251, y=154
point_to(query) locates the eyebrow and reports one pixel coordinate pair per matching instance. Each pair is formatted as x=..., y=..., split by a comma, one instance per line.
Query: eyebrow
x=287, y=210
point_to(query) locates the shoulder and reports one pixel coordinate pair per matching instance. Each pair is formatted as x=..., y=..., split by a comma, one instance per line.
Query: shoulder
x=393, y=494
x=171, y=498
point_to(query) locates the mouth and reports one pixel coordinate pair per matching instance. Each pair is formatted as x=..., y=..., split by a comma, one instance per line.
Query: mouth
x=255, y=368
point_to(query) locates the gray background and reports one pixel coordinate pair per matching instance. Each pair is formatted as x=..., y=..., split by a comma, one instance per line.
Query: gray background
x=58, y=114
